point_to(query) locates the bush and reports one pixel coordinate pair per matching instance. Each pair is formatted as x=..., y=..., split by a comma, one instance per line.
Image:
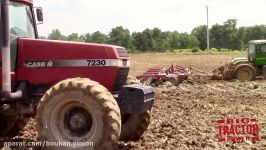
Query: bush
x=131, y=51
x=195, y=49
x=214, y=50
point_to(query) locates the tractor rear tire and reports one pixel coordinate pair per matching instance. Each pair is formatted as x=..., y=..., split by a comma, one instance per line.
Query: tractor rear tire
x=134, y=125
x=245, y=72
x=78, y=110
x=172, y=80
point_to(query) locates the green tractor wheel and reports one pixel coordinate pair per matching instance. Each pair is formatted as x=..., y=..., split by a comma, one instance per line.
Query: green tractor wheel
x=245, y=73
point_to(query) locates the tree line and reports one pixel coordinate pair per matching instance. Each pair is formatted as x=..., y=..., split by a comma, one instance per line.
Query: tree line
x=222, y=36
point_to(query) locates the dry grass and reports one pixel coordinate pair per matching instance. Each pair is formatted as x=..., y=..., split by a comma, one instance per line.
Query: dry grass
x=141, y=62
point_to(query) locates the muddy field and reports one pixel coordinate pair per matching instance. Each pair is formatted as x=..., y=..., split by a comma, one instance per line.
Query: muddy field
x=184, y=116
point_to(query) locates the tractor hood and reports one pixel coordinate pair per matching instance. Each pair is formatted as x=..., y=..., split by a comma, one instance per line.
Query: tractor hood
x=48, y=62
x=64, y=50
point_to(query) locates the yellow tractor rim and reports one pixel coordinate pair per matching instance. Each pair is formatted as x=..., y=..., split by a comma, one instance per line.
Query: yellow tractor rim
x=243, y=75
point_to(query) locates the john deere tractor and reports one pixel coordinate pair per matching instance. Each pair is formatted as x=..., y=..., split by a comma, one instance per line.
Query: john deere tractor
x=247, y=69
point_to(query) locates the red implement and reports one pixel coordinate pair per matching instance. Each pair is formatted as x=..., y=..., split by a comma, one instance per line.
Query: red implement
x=174, y=71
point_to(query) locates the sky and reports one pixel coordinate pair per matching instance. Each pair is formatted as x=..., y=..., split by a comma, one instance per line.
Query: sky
x=83, y=16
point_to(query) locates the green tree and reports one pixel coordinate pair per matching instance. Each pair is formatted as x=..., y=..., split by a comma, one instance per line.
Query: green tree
x=56, y=35
x=242, y=36
x=165, y=41
x=98, y=37
x=147, y=41
x=200, y=33
x=88, y=38
x=82, y=38
x=231, y=38
x=160, y=40
x=119, y=36
x=225, y=36
x=136, y=42
x=75, y=37
x=175, y=40
x=217, y=34
x=187, y=41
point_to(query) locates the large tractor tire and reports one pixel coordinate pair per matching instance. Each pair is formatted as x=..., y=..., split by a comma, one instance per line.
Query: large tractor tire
x=134, y=125
x=80, y=112
x=245, y=72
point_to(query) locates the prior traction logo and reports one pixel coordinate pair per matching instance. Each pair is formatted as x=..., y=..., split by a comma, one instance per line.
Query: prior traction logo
x=238, y=130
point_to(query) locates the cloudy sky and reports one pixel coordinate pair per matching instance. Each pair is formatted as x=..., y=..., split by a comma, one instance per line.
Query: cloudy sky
x=83, y=16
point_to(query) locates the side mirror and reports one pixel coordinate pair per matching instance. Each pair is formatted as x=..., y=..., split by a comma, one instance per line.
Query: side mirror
x=39, y=14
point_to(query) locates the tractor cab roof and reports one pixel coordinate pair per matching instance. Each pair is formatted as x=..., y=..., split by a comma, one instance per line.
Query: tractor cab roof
x=24, y=1
x=257, y=42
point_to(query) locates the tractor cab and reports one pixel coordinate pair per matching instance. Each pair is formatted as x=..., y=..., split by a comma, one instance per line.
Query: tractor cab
x=21, y=20
x=257, y=52
x=22, y=24
x=247, y=69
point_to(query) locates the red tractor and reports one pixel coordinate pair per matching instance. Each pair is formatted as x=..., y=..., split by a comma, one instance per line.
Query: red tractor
x=76, y=91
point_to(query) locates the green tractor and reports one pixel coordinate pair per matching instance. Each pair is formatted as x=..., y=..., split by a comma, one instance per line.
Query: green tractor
x=246, y=69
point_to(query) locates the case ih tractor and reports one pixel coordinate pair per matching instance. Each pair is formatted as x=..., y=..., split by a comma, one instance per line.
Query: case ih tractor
x=76, y=91
x=246, y=69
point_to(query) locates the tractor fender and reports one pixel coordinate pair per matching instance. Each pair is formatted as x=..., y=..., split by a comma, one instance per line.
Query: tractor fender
x=237, y=61
x=242, y=64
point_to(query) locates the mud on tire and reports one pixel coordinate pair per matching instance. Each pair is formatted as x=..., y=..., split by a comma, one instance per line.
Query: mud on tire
x=78, y=110
x=245, y=72
x=134, y=125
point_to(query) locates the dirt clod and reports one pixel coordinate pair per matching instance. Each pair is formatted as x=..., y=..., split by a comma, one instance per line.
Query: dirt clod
x=225, y=72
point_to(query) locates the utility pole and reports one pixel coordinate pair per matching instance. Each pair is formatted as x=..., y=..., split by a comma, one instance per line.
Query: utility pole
x=208, y=36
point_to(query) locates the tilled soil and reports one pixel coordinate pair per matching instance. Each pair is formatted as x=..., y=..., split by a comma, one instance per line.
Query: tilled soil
x=184, y=116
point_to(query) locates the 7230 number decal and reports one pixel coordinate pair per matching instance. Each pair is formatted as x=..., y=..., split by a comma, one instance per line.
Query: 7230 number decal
x=96, y=62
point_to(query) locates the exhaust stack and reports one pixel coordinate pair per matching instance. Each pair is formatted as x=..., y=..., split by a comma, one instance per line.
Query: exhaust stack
x=5, y=46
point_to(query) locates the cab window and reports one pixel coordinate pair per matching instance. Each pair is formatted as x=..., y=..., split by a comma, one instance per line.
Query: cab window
x=261, y=48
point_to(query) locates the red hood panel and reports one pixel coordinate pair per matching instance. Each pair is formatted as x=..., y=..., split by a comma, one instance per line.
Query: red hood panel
x=50, y=50
x=67, y=62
